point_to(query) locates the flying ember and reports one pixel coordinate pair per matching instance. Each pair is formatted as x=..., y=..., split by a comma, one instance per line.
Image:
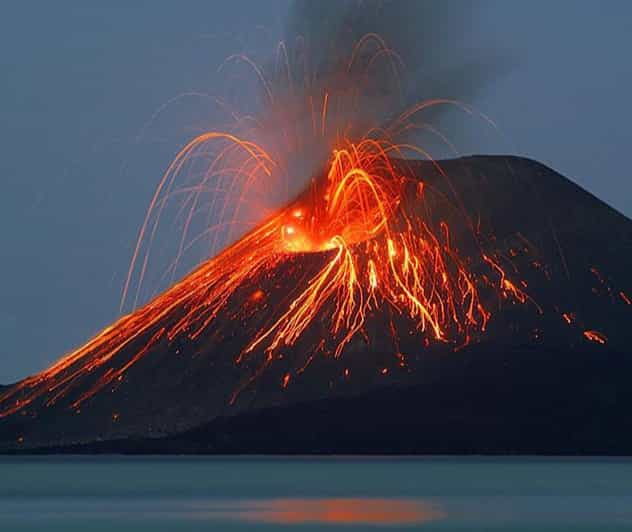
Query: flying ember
x=363, y=219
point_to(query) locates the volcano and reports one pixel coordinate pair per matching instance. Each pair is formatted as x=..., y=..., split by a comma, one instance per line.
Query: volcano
x=515, y=340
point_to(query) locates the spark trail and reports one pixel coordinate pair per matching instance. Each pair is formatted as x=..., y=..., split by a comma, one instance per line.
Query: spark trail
x=363, y=218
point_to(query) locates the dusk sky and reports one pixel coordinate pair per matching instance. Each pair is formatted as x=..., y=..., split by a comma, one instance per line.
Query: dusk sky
x=81, y=153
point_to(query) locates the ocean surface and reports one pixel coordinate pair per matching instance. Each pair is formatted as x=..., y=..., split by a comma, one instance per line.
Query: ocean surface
x=314, y=494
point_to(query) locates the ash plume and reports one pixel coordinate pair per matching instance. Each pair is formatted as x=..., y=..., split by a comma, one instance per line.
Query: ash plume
x=430, y=38
x=418, y=52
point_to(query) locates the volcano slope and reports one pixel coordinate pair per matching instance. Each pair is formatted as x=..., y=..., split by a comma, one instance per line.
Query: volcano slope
x=549, y=374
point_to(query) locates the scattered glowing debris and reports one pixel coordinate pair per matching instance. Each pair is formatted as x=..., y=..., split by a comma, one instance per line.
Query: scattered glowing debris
x=596, y=336
x=257, y=295
x=383, y=253
x=625, y=298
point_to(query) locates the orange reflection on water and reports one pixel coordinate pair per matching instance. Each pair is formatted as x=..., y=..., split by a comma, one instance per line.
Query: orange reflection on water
x=339, y=511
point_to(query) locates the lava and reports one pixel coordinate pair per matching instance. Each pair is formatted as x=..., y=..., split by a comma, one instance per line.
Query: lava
x=363, y=218
x=596, y=336
x=380, y=252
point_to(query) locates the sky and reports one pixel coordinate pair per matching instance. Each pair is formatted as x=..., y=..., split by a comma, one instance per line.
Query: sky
x=82, y=147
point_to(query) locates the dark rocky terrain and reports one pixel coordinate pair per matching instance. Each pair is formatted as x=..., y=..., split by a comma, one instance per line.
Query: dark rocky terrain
x=533, y=383
x=520, y=401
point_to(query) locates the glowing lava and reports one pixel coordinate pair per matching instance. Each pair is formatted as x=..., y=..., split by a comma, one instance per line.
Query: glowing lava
x=366, y=221
x=380, y=252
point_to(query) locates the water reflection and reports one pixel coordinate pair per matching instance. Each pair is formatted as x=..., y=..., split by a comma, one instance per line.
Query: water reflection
x=382, y=511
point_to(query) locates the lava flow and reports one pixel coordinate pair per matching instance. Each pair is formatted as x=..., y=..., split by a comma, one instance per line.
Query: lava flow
x=379, y=252
x=363, y=219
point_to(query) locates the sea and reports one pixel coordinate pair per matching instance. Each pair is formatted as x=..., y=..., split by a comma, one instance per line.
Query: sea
x=177, y=493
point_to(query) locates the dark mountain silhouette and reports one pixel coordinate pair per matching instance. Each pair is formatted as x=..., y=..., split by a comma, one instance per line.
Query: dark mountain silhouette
x=547, y=376
x=484, y=402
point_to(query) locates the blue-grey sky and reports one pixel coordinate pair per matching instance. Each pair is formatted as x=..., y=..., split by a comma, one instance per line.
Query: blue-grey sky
x=80, y=81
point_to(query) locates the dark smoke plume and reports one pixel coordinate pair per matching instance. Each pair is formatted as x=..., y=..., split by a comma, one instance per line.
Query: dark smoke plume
x=428, y=58
x=430, y=36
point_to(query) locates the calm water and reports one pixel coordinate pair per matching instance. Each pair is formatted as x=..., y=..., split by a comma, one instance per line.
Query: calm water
x=241, y=494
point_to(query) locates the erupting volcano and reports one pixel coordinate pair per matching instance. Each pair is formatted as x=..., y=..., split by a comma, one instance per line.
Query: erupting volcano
x=374, y=251
x=380, y=272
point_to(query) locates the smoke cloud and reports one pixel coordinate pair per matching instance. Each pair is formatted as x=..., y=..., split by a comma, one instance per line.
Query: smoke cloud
x=429, y=36
x=322, y=86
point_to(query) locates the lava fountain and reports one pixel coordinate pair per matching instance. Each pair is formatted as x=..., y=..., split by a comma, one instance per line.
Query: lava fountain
x=363, y=218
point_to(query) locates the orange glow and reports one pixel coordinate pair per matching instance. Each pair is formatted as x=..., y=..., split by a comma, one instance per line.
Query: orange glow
x=257, y=295
x=381, y=252
x=377, y=251
x=358, y=511
x=596, y=336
